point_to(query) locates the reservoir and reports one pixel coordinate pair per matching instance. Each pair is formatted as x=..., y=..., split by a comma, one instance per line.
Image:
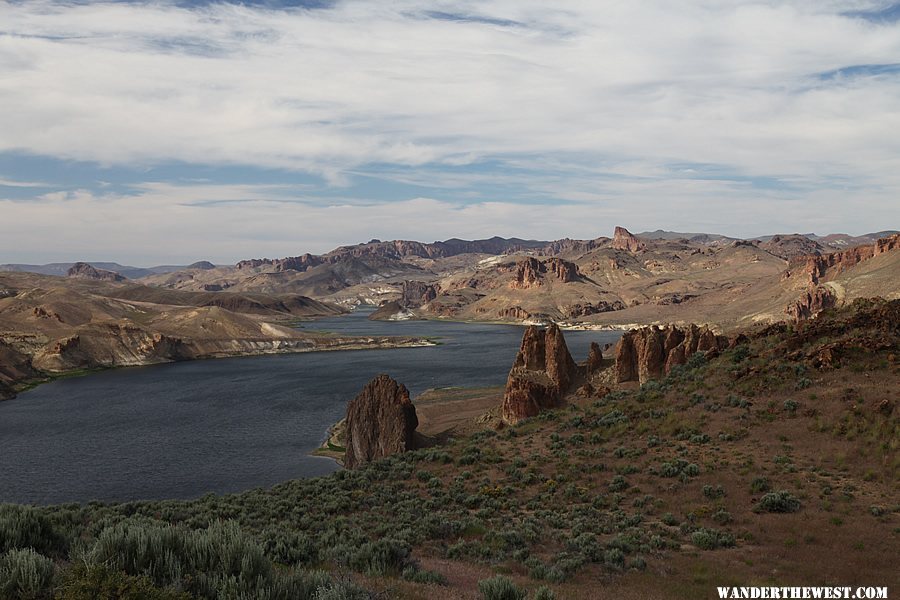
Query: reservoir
x=181, y=430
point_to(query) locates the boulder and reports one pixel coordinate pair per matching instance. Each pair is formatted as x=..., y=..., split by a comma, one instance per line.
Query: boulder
x=381, y=421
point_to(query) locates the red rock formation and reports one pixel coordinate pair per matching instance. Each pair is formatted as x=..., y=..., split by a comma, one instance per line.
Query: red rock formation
x=595, y=359
x=531, y=272
x=541, y=375
x=563, y=270
x=514, y=312
x=812, y=302
x=816, y=269
x=650, y=352
x=83, y=270
x=381, y=421
x=624, y=240
x=528, y=274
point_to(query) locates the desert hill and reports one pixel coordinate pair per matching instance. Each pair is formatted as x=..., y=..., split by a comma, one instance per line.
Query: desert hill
x=768, y=460
x=652, y=277
x=52, y=325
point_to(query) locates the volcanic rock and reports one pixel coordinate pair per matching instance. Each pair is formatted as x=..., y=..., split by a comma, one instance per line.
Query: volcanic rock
x=83, y=270
x=541, y=375
x=531, y=272
x=416, y=293
x=625, y=240
x=815, y=300
x=381, y=421
x=595, y=359
x=651, y=353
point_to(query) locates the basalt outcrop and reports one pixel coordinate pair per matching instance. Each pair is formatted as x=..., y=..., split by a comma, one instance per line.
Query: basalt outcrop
x=652, y=352
x=532, y=272
x=815, y=269
x=541, y=375
x=414, y=294
x=83, y=270
x=381, y=421
x=625, y=240
x=812, y=302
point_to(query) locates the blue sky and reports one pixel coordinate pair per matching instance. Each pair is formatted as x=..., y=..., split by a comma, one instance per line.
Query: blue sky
x=161, y=132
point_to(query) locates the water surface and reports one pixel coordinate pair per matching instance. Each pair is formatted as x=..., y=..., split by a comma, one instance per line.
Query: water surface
x=184, y=429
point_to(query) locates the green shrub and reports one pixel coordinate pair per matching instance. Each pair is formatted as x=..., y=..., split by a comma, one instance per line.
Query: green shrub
x=341, y=590
x=544, y=593
x=781, y=501
x=25, y=575
x=710, y=539
x=27, y=527
x=760, y=485
x=500, y=588
x=90, y=582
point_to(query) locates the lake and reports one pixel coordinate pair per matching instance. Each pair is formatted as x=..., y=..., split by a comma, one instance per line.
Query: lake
x=181, y=430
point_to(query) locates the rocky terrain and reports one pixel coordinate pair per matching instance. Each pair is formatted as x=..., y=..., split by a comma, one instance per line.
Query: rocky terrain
x=770, y=457
x=617, y=281
x=90, y=319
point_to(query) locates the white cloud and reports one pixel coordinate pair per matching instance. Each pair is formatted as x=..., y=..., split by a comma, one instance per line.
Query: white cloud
x=164, y=223
x=632, y=87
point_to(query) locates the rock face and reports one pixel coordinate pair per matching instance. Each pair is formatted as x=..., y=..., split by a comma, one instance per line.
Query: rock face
x=624, y=240
x=595, y=359
x=381, y=421
x=532, y=272
x=651, y=352
x=416, y=293
x=541, y=375
x=818, y=268
x=815, y=300
x=83, y=270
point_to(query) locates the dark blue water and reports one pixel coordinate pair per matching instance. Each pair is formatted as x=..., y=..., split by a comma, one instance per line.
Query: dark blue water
x=184, y=429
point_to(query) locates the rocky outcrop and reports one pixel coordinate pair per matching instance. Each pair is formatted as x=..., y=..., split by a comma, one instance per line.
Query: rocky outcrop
x=516, y=313
x=815, y=269
x=812, y=302
x=391, y=311
x=541, y=375
x=584, y=310
x=279, y=265
x=381, y=421
x=202, y=265
x=532, y=272
x=83, y=270
x=595, y=359
x=625, y=240
x=652, y=352
x=414, y=294
x=791, y=246
x=14, y=367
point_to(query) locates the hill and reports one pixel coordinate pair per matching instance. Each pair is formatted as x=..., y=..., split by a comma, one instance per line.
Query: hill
x=773, y=462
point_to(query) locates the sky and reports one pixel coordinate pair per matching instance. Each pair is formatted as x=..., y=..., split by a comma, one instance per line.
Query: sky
x=164, y=132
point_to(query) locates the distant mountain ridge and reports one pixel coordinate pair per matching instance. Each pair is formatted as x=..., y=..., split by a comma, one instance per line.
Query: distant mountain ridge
x=62, y=269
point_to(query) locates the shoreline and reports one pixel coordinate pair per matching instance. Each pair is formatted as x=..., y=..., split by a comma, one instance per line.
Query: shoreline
x=26, y=385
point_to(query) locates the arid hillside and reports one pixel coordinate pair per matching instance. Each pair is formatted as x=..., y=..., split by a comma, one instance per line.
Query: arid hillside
x=51, y=325
x=768, y=458
x=617, y=281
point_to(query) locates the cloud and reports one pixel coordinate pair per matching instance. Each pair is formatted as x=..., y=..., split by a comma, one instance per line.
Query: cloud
x=599, y=105
x=178, y=224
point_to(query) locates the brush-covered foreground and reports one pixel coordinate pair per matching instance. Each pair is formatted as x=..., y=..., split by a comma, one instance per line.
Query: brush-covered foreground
x=775, y=463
